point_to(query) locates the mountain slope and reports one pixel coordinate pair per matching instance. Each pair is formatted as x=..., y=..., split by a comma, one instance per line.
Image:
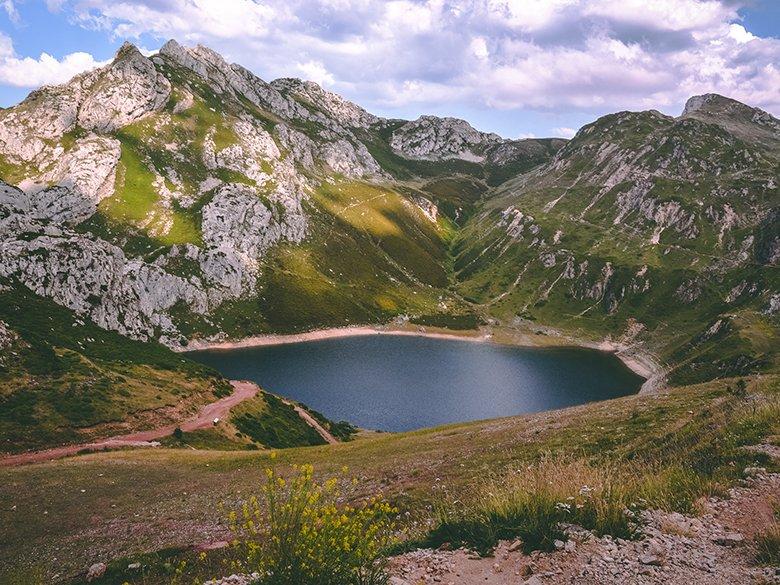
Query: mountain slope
x=197, y=195
x=65, y=380
x=180, y=197
x=644, y=228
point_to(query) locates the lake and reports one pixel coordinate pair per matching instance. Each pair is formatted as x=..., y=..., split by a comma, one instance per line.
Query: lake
x=399, y=383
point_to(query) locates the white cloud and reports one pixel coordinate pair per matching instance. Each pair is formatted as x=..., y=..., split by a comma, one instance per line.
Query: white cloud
x=479, y=48
x=10, y=9
x=185, y=19
x=739, y=34
x=564, y=132
x=45, y=70
x=315, y=71
x=560, y=56
x=673, y=15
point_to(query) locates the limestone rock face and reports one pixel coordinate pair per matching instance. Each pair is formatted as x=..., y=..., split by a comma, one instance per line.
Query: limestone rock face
x=433, y=138
x=342, y=111
x=77, y=181
x=103, y=100
x=238, y=228
x=295, y=102
x=95, y=279
x=46, y=114
x=123, y=92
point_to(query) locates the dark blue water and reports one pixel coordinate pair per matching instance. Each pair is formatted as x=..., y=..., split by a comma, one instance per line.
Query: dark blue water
x=396, y=383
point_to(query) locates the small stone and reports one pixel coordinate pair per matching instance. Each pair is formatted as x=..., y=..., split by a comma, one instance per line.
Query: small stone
x=515, y=546
x=754, y=471
x=650, y=559
x=533, y=581
x=729, y=539
x=570, y=546
x=134, y=566
x=559, y=544
x=96, y=571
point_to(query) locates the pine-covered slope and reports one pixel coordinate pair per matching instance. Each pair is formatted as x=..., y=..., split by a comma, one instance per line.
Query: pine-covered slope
x=644, y=228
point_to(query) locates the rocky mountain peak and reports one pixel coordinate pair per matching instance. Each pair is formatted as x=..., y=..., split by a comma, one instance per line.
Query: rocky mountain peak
x=752, y=125
x=344, y=111
x=434, y=137
x=127, y=51
x=707, y=102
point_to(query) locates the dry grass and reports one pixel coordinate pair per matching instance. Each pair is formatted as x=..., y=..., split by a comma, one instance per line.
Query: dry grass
x=532, y=503
x=768, y=545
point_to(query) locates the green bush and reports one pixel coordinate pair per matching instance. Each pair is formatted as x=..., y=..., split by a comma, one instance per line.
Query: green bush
x=296, y=533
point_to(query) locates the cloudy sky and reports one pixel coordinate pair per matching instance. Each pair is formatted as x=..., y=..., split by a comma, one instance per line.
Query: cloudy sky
x=516, y=67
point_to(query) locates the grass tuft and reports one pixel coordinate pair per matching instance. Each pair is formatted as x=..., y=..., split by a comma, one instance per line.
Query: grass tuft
x=768, y=545
x=532, y=504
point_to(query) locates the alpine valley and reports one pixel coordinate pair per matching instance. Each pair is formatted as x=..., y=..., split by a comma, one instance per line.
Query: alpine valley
x=177, y=201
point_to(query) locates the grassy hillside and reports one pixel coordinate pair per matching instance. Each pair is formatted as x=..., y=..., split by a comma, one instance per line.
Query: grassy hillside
x=669, y=448
x=265, y=421
x=65, y=380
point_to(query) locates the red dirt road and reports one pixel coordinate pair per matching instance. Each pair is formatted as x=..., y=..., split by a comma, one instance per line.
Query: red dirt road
x=242, y=390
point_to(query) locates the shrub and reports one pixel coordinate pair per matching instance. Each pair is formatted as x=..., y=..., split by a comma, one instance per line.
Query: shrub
x=343, y=430
x=296, y=533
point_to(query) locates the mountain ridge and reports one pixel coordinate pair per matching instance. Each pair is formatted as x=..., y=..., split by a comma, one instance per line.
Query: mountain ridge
x=192, y=199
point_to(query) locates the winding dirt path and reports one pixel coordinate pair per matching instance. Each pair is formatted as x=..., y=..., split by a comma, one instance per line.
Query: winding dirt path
x=242, y=390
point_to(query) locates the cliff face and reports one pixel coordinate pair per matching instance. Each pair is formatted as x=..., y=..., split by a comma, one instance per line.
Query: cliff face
x=181, y=196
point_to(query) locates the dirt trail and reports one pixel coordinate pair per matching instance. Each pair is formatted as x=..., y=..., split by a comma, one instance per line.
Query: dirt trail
x=242, y=390
x=313, y=423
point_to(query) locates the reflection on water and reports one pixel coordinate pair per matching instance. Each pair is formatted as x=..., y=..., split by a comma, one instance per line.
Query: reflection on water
x=398, y=383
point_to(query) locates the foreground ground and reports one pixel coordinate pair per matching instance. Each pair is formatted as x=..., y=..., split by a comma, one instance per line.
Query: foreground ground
x=58, y=518
x=676, y=549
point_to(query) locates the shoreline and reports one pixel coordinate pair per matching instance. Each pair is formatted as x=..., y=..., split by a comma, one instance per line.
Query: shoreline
x=330, y=333
x=638, y=362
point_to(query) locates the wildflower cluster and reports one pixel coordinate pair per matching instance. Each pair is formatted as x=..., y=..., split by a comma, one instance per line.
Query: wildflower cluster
x=296, y=533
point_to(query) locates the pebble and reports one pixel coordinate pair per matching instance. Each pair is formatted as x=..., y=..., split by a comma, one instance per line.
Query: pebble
x=96, y=571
